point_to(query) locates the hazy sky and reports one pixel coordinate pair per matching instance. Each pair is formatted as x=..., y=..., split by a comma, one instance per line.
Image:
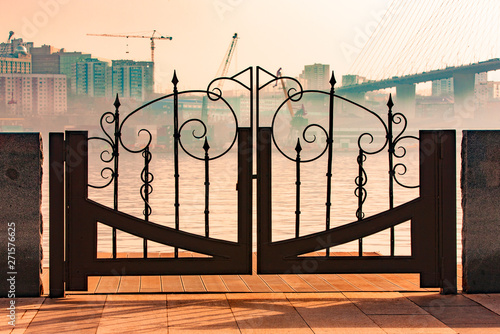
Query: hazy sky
x=273, y=33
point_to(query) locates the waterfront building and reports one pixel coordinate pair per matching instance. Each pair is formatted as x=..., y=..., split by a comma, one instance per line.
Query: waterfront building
x=91, y=77
x=17, y=62
x=316, y=76
x=131, y=79
x=33, y=94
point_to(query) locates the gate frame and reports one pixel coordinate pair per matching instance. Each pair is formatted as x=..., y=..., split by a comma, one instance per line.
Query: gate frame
x=73, y=246
x=433, y=214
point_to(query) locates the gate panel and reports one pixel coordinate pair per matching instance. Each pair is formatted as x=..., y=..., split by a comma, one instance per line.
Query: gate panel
x=83, y=215
x=432, y=214
x=75, y=218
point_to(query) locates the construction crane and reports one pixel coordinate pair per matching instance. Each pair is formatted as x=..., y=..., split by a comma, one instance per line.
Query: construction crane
x=298, y=120
x=4, y=51
x=152, y=38
x=226, y=61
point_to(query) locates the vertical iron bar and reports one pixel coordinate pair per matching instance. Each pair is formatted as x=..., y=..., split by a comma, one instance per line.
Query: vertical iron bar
x=116, y=154
x=390, y=104
x=359, y=213
x=147, y=209
x=257, y=122
x=298, y=148
x=56, y=214
x=176, y=155
x=329, y=142
x=206, y=147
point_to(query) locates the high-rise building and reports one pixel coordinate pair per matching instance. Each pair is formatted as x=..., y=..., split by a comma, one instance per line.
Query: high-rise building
x=131, y=79
x=442, y=87
x=316, y=76
x=11, y=47
x=33, y=94
x=91, y=77
x=66, y=61
x=44, y=60
x=19, y=61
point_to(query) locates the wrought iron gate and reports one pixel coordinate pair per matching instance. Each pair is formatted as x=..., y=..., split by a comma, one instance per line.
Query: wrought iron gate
x=74, y=217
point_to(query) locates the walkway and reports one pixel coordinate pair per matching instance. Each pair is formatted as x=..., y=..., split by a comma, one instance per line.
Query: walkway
x=312, y=303
x=333, y=312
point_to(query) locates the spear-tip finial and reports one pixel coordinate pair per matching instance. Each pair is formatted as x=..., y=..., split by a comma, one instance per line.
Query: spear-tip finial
x=174, y=79
x=332, y=80
x=390, y=104
x=117, y=102
x=205, y=145
x=298, y=148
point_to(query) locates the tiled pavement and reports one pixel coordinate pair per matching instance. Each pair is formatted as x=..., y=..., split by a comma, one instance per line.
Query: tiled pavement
x=319, y=312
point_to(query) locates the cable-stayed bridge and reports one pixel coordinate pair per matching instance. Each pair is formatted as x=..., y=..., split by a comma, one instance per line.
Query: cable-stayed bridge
x=420, y=41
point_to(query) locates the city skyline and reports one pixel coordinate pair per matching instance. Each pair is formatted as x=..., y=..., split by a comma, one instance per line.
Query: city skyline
x=293, y=33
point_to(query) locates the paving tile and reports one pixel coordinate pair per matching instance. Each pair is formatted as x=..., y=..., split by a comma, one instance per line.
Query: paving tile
x=234, y=283
x=276, y=283
x=213, y=283
x=388, y=303
x=359, y=282
x=255, y=283
x=171, y=284
x=490, y=301
x=150, y=284
x=297, y=283
x=79, y=313
x=266, y=313
x=318, y=283
x=434, y=299
x=478, y=329
x=402, y=283
x=339, y=283
x=129, y=284
x=193, y=284
x=134, y=314
x=410, y=324
x=454, y=316
x=200, y=313
x=332, y=313
x=108, y=284
x=25, y=310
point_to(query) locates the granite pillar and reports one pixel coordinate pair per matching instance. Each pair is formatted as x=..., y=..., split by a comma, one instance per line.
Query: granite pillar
x=21, y=254
x=481, y=211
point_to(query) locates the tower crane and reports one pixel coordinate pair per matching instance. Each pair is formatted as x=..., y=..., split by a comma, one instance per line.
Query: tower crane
x=152, y=38
x=226, y=61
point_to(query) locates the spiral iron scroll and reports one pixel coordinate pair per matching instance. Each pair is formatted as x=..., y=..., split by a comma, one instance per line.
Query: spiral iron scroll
x=399, y=118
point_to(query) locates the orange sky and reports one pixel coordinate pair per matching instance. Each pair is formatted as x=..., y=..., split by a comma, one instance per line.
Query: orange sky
x=273, y=33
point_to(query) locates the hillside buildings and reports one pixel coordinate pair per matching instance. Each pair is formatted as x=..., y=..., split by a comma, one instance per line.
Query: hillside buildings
x=32, y=94
x=316, y=76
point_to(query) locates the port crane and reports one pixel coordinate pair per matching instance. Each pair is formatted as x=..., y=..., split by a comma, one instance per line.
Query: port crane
x=298, y=120
x=226, y=61
x=152, y=38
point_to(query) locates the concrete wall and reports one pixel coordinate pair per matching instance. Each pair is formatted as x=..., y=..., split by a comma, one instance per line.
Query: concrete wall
x=481, y=211
x=20, y=214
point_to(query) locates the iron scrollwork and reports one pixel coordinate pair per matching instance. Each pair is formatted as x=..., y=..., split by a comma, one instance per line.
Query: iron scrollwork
x=116, y=141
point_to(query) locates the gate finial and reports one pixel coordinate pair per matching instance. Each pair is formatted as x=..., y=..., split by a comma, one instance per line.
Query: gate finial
x=117, y=102
x=332, y=80
x=174, y=79
x=390, y=104
x=298, y=148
